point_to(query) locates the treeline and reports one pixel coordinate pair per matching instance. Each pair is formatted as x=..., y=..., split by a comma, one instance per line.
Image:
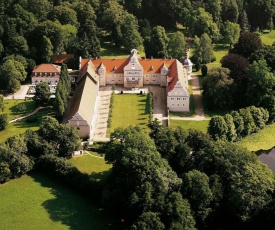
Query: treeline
x=246, y=77
x=20, y=153
x=32, y=31
x=238, y=124
x=177, y=179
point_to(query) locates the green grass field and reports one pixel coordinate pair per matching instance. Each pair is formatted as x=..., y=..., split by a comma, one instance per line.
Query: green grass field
x=198, y=125
x=264, y=139
x=37, y=202
x=13, y=111
x=268, y=38
x=93, y=165
x=130, y=109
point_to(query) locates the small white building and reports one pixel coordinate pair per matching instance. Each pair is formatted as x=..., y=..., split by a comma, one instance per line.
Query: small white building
x=49, y=73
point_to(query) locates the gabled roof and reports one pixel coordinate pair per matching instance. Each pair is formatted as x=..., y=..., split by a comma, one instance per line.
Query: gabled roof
x=51, y=68
x=89, y=69
x=176, y=74
x=110, y=64
x=157, y=64
x=84, y=99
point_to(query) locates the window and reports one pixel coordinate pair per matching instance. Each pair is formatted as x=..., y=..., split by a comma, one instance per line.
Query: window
x=154, y=75
x=127, y=78
x=172, y=99
x=178, y=98
x=133, y=78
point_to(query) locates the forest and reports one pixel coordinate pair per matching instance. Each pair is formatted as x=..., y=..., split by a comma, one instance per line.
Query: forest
x=169, y=178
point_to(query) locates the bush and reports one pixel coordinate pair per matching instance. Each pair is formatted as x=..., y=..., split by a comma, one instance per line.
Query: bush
x=31, y=119
x=3, y=121
x=204, y=70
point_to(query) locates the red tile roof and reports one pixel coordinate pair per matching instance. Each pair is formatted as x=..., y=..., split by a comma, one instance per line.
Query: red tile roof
x=47, y=68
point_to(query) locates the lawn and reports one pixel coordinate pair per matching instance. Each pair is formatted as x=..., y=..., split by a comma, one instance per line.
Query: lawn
x=21, y=126
x=110, y=50
x=264, y=139
x=268, y=38
x=93, y=165
x=199, y=125
x=130, y=109
x=37, y=202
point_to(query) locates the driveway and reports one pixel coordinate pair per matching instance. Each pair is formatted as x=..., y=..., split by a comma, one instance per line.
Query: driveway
x=20, y=94
x=160, y=104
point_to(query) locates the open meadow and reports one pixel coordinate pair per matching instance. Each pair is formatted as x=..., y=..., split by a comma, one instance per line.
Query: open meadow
x=36, y=202
x=198, y=125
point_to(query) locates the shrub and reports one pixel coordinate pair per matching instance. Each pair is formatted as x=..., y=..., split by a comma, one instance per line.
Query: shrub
x=3, y=121
x=204, y=70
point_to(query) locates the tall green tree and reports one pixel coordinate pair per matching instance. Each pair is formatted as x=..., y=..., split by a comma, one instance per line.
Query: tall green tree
x=218, y=88
x=2, y=104
x=261, y=83
x=11, y=74
x=156, y=46
x=201, y=22
x=231, y=32
x=46, y=50
x=218, y=128
x=3, y=121
x=177, y=46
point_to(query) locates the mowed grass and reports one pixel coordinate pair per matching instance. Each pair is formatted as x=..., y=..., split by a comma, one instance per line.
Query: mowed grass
x=198, y=125
x=93, y=165
x=268, y=38
x=130, y=109
x=264, y=139
x=37, y=202
x=11, y=109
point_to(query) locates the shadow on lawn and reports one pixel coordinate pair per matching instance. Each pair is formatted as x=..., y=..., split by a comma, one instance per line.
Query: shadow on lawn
x=70, y=208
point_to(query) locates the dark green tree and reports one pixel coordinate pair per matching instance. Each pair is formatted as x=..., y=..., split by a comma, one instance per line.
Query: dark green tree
x=177, y=46
x=156, y=46
x=2, y=104
x=3, y=121
x=231, y=130
x=46, y=50
x=218, y=88
x=247, y=44
x=42, y=93
x=217, y=128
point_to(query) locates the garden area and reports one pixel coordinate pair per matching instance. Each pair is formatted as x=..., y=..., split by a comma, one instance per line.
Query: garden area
x=129, y=109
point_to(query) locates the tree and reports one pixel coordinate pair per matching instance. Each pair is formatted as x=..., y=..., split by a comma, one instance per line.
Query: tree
x=260, y=116
x=231, y=33
x=42, y=93
x=46, y=50
x=218, y=88
x=131, y=37
x=148, y=220
x=177, y=46
x=62, y=92
x=247, y=44
x=237, y=65
x=156, y=45
x=203, y=49
x=245, y=27
x=3, y=121
x=266, y=53
x=11, y=74
x=260, y=84
x=259, y=13
x=214, y=8
x=249, y=124
x=238, y=122
x=40, y=8
x=218, y=128
x=196, y=189
x=2, y=104
x=18, y=45
x=230, y=11
x=231, y=130
x=201, y=22
x=64, y=15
